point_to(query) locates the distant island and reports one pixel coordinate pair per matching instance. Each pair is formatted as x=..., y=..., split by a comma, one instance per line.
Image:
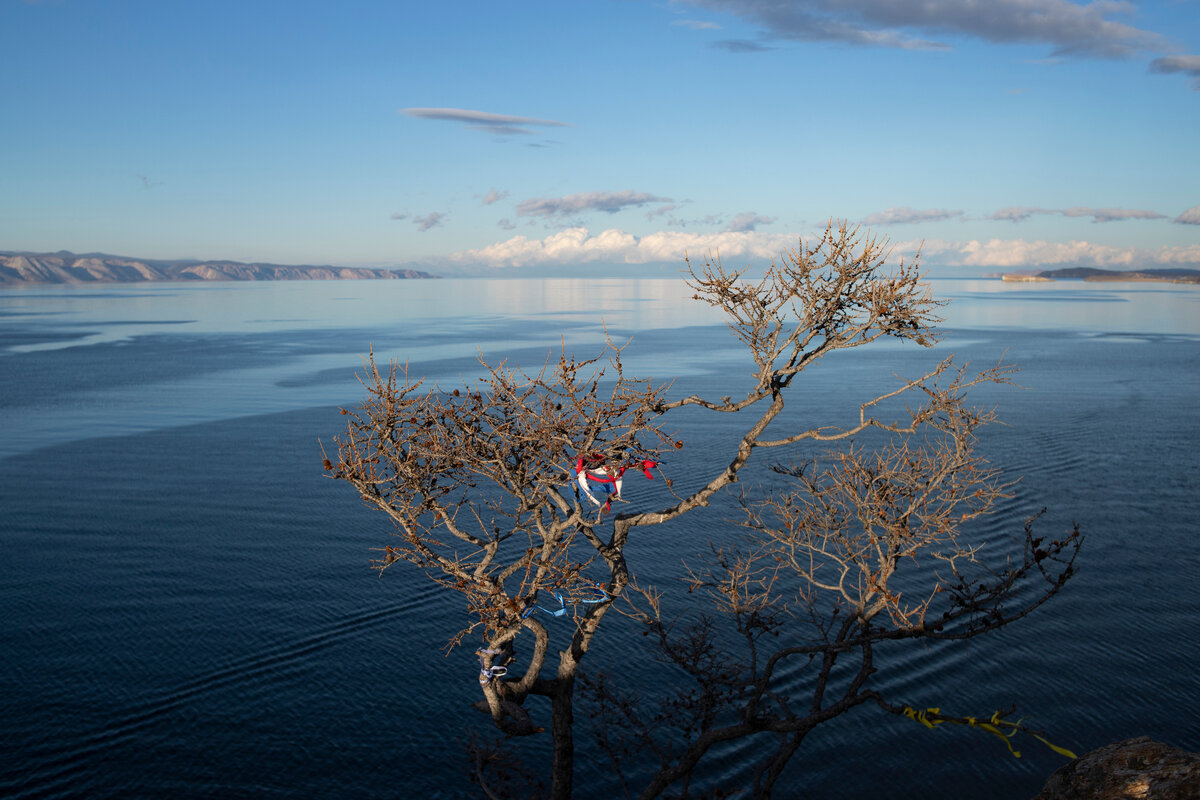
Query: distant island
x=1092, y=274
x=66, y=267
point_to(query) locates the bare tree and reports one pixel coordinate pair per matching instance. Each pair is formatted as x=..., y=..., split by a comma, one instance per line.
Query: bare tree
x=864, y=545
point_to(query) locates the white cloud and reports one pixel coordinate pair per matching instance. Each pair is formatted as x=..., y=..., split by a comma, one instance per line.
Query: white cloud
x=1019, y=253
x=578, y=246
x=1189, y=217
x=608, y=202
x=697, y=24
x=904, y=216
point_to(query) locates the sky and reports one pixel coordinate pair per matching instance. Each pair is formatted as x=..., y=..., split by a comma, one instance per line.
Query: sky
x=592, y=137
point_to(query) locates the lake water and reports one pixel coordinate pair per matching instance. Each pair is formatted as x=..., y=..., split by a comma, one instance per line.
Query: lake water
x=189, y=611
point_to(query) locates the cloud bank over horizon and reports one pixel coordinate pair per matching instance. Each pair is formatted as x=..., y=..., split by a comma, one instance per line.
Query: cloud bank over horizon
x=579, y=245
x=575, y=246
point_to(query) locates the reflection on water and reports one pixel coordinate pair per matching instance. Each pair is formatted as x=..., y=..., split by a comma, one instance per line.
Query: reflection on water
x=215, y=351
x=118, y=312
x=1072, y=305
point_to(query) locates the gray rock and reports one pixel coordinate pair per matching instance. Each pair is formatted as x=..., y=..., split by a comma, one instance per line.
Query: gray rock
x=1135, y=769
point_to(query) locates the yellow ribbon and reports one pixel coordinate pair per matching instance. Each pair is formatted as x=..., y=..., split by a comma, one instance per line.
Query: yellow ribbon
x=1062, y=751
x=920, y=717
x=992, y=726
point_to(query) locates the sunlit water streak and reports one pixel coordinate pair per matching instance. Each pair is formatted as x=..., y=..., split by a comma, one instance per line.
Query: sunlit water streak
x=187, y=601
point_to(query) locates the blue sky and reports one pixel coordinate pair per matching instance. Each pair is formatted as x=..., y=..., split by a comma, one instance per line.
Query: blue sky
x=577, y=137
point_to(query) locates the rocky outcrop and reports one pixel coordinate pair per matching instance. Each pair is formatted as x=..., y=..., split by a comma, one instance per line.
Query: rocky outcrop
x=64, y=267
x=1135, y=769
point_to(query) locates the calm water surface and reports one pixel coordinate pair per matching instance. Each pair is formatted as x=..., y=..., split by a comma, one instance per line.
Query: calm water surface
x=188, y=609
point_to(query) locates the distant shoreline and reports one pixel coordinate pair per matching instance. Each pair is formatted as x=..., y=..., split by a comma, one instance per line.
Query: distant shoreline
x=1105, y=275
x=66, y=268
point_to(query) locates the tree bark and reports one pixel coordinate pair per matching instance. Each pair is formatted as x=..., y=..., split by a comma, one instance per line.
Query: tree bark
x=563, y=735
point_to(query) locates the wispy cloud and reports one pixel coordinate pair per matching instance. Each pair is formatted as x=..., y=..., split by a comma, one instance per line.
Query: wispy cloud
x=1022, y=213
x=1189, y=217
x=608, y=202
x=1189, y=65
x=708, y=221
x=1019, y=213
x=748, y=221
x=1070, y=29
x=1111, y=214
x=697, y=24
x=494, y=196
x=579, y=246
x=431, y=220
x=740, y=46
x=485, y=121
x=907, y=216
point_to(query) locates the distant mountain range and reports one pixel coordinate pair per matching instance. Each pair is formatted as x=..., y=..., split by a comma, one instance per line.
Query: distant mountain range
x=1093, y=274
x=65, y=267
